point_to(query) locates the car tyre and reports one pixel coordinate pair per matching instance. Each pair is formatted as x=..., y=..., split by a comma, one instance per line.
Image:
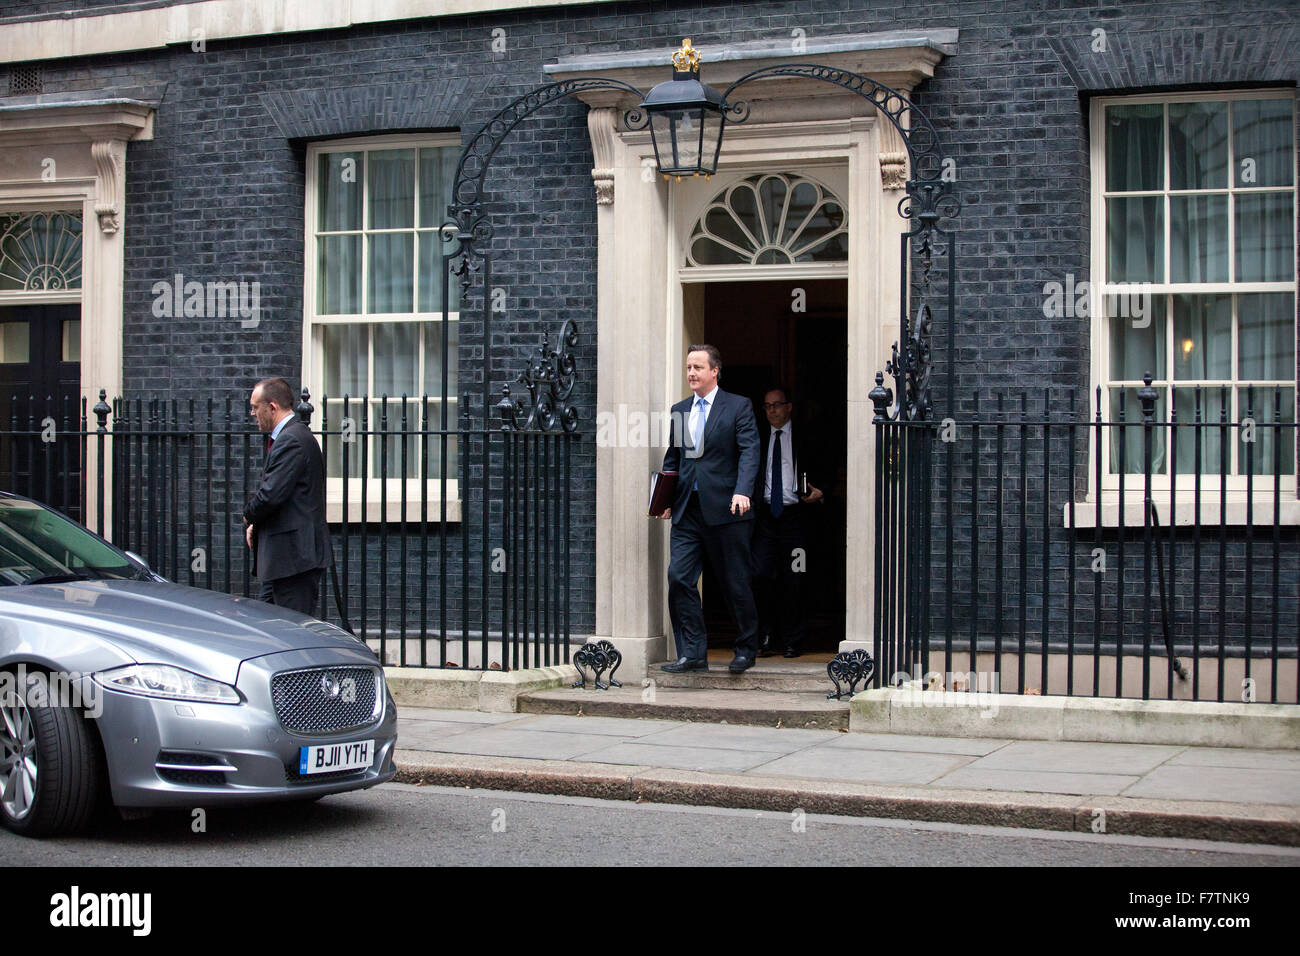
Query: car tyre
x=49, y=764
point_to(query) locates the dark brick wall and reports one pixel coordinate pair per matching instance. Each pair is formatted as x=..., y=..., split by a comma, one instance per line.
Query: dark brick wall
x=218, y=194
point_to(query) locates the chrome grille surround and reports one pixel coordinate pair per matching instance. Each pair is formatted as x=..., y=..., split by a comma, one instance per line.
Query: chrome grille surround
x=320, y=700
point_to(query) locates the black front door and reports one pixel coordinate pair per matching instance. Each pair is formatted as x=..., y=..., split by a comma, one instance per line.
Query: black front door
x=40, y=412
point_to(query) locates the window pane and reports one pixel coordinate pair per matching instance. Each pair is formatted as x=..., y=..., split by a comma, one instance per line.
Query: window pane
x=338, y=275
x=1266, y=336
x=437, y=179
x=1134, y=147
x=1211, y=446
x=1127, y=441
x=1260, y=404
x=348, y=421
x=1263, y=133
x=15, y=344
x=1202, y=337
x=433, y=357
x=435, y=442
x=431, y=268
x=721, y=222
x=392, y=272
x=396, y=359
x=1137, y=343
x=388, y=440
x=1135, y=240
x=391, y=175
x=344, y=355
x=1198, y=145
x=338, y=189
x=1198, y=245
x=72, y=340
x=1265, y=238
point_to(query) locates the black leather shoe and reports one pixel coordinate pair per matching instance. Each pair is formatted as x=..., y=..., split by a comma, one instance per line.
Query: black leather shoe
x=740, y=664
x=685, y=664
x=791, y=652
x=766, y=649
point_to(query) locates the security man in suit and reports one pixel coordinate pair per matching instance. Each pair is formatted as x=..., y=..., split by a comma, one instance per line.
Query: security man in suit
x=286, y=515
x=713, y=446
x=780, y=541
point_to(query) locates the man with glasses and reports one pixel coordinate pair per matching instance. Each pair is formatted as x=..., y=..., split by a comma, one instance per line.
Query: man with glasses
x=782, y=497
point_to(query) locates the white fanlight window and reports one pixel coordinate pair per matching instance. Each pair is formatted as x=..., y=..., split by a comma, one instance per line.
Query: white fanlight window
x=770, y=219
x=373, y=301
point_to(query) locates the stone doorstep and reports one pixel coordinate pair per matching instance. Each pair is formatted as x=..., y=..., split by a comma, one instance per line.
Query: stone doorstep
x=1129, y=816
x=762, y=708
x=491, y=691
x=1099, y=719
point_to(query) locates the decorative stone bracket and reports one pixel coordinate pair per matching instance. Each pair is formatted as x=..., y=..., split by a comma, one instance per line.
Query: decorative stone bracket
x=600, y=124
x=110, y=166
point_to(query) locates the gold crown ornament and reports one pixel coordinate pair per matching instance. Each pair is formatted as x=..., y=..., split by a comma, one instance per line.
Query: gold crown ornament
x=687, y=59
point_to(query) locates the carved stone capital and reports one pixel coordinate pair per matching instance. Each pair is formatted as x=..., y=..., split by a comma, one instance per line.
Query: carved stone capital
x=893, y=170
x=600, y=125
x=110, y=164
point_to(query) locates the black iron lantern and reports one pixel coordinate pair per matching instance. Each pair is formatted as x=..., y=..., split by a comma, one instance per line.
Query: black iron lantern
x=686, y=119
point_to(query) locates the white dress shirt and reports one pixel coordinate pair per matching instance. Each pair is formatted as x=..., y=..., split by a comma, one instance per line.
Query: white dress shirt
x=788, y=489
x=695, y=413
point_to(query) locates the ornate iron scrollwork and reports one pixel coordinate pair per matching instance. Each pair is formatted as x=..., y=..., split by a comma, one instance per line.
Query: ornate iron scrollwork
x=851, y=667
x=599, y=657
x=549, y=379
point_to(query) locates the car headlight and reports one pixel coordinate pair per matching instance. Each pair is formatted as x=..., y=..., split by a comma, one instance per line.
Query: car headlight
x=163, y=680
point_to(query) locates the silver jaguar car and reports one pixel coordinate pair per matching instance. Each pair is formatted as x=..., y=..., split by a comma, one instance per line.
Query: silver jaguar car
x=115, y=682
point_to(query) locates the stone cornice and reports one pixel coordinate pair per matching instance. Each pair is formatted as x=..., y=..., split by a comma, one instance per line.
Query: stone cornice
x=36, y=119
x=900, y=59
x=149, y=26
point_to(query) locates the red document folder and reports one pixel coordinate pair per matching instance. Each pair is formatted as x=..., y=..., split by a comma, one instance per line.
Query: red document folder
x=663, y=486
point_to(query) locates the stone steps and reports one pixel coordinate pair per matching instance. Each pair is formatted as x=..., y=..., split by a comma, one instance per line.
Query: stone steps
x=808, y=709
x=765, y=675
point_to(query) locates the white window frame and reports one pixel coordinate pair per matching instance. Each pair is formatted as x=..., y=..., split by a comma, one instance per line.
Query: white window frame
x=1234, y=505
x=313, y=357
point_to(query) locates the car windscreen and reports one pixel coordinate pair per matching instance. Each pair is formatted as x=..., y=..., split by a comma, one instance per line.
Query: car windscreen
x=38, y=545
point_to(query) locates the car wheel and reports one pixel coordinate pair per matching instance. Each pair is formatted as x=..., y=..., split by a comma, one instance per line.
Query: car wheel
x=49, y=767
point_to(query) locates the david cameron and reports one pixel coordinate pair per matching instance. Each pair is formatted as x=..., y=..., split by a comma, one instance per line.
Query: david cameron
x=713, y=446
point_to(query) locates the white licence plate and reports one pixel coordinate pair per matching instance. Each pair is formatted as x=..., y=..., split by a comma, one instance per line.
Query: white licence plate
x=332, y=758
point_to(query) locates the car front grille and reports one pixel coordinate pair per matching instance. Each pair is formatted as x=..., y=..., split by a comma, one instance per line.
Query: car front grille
x=326, y=700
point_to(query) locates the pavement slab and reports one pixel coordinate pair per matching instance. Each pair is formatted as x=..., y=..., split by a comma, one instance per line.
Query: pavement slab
x=612, y=726
x=983, y=778
x=739, y=737
x=1066, y=756
x=1233, y=784
x=1233, y=757
x=681, y=758
x=912, y=743
x=867, y=766
x=502, y=742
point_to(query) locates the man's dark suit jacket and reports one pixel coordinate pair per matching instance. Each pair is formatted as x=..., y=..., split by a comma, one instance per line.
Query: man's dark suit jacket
x=287, y=511
x=727, y=464
x=804, y=460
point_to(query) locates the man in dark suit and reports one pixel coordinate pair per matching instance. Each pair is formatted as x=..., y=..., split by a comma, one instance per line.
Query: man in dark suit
x=781, y=502
x=286, y=515
x=713, y=446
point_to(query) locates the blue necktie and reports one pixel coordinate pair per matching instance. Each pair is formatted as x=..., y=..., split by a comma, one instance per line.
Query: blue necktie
x=778, y=495
x=697, y=437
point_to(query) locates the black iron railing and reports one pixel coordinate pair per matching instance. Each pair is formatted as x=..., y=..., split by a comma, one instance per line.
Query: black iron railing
x=1096, y=552
x=451, y=544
